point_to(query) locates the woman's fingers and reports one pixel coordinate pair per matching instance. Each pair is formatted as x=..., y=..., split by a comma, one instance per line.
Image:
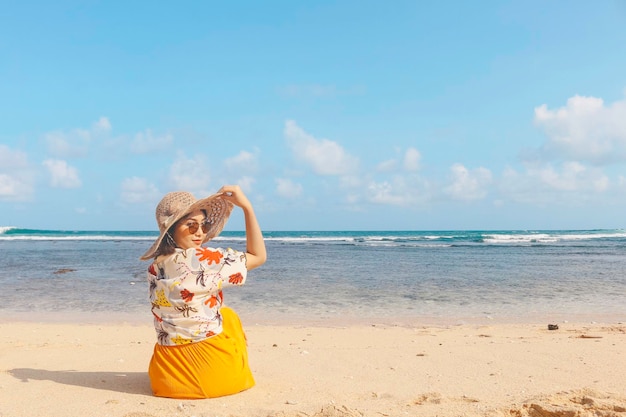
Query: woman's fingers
x=235, y=195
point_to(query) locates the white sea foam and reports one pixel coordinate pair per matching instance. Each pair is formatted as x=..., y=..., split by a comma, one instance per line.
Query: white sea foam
x=71, y=238
x=306, y=239
x=528, y=238
x=519, y=238
x=592, y=236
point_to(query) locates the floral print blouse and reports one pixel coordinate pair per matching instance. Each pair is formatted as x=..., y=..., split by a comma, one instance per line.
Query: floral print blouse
x=186, y=292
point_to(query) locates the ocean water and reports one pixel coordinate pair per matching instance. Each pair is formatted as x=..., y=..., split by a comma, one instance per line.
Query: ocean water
x=412, y=277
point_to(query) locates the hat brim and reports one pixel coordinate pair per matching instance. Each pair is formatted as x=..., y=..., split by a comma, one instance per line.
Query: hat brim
x=218, y=211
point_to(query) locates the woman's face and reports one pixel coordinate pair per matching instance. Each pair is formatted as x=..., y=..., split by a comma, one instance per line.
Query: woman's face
x=188, y=231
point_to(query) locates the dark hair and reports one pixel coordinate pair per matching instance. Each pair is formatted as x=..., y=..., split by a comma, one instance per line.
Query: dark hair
x=168, y=244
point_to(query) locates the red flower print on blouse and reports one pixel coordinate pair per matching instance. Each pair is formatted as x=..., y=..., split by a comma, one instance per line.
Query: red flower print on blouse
x=236, y=278
x=212, y=301
x=186, y=295
x=207, y=254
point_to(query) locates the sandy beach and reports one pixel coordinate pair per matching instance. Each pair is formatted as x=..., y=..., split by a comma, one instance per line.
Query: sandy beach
x=64, y=369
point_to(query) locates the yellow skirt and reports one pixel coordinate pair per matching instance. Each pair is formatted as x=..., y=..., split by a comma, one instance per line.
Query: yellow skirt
x=214, y=367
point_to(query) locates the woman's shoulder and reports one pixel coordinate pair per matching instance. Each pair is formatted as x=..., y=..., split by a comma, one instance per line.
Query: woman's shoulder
x=211, y=255
x=190, y=253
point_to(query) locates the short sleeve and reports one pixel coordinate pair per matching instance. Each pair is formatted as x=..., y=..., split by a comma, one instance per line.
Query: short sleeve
x=230, y=263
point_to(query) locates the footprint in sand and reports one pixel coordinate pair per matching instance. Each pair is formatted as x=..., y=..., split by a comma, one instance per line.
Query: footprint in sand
x=437, y=398
x=579, y=403
x=139, y=414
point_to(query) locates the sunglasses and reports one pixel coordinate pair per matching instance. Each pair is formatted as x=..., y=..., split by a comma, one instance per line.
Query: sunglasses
x=193, y=226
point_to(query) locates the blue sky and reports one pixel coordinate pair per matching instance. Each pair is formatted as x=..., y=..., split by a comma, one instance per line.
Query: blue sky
x=330, y=114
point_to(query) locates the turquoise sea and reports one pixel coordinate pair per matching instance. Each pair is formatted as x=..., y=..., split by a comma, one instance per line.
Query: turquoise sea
x=413, y=277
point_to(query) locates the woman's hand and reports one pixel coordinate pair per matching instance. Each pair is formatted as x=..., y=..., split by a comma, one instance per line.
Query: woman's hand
x=235, y=195
x=255, y=245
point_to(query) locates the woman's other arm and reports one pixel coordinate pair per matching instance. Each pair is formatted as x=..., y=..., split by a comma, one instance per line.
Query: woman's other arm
x=255, y=245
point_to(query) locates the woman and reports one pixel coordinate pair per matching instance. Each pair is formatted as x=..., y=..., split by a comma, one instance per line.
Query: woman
x=201, y=347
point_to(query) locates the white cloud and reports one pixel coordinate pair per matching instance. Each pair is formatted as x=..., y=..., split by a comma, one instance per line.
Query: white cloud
x=16, y=175
x=102, y=125
x=191, y=174
x=244, y=161
x=412, y=159
x=145, y=142
x=585, y=130
x=351, y=181
x=325, y=157
x=400, y=190
x=64, y=145
x=541, y=183
x=468, y=184
x=138, y=190
x=10, y=159
x=573, y=176
x=384, y=193
x=12, y=188
x=75, y=143
x=62, y=175
x=410, y=162
x=566, y=180
x=246, y=183
x=387, y=166
x=287, y=188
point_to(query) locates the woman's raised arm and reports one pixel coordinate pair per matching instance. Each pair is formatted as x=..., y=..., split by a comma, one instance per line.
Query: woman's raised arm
x=255, y=245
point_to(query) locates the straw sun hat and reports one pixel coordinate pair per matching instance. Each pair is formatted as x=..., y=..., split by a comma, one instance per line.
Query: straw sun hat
x=174, y=206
